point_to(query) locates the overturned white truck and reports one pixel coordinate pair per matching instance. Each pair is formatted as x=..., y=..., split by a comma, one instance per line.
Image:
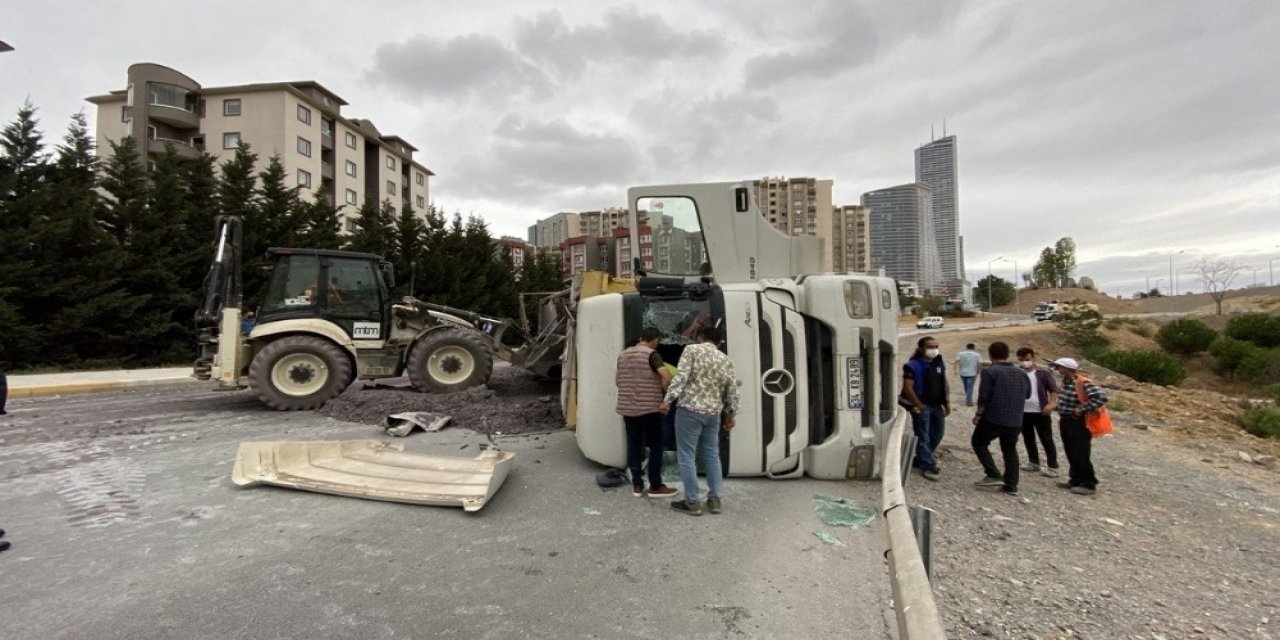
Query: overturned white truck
x=814, y=352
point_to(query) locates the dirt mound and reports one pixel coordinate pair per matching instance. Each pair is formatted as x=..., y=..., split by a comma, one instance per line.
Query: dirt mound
x=1106, y=304
x=514, y=401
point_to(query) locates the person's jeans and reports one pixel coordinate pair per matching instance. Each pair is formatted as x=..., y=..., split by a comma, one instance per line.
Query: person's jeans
x=1039, y=424
x=968, y=388
x=699, y=433
x=1077, y=443
x=1008, y=436
x=929, y=425
x=4, y=391
x=644, y=431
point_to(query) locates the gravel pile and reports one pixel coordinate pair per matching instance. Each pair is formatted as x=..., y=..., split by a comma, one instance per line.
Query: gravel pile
x=515, y=401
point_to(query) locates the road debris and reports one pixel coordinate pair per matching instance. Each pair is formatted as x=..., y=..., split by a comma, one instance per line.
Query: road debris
x=402, y=424
x=828, y=539
x=839, y=512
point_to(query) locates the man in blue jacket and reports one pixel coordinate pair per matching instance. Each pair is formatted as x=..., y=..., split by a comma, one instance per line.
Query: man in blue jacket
x=924, y=387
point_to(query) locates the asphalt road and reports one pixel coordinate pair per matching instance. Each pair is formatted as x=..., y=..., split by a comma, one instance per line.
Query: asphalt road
x=125, y=524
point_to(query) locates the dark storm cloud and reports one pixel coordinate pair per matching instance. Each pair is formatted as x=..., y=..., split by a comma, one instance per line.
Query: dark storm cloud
x=454, y=67
x=533, y=161
x=623, y=34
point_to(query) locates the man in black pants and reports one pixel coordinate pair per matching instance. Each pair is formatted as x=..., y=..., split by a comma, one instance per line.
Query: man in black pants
x=1077, y=441
x=1036, y=415
x=1002, y=392
x=642, y=378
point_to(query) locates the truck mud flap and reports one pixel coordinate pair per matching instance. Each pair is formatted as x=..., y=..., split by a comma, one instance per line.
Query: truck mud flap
x=374, y=470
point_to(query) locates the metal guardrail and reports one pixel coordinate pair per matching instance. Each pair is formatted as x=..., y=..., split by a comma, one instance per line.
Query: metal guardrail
x=913, y=602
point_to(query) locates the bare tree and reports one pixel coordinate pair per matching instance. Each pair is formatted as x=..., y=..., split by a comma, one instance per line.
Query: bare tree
x=1217, y=276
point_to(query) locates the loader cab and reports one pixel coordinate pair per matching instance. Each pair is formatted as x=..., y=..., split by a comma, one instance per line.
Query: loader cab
x=346, y=288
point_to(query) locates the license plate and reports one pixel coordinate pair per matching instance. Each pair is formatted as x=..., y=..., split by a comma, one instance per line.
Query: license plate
x=853, y=372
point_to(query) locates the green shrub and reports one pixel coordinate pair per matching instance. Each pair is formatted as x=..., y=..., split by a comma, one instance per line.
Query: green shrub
x=1141, y=329
x=1262, y=329
x=1185, y=336
x=1113, y=323
x=1261, y=422
x=1228, y=353
x=1270, y=392
x=1118, y=405
x=1261, y=366
x=1145, y=366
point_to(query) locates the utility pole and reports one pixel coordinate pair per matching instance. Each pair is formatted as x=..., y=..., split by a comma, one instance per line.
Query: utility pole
x=1171, y=279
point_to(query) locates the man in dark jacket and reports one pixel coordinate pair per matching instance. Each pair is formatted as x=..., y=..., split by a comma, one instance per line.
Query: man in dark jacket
x=1036, y=420
x=924, y=388
x=1002, y=393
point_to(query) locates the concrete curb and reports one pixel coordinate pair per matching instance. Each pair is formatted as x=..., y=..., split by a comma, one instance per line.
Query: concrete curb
x=70, y=388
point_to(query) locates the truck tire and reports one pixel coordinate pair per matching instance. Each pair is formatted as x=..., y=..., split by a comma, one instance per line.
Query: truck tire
x=297, y=373
x=448, y=360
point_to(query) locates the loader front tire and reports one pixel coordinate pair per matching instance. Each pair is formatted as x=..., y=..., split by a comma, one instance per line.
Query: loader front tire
x=298, y=373
x=448, y=360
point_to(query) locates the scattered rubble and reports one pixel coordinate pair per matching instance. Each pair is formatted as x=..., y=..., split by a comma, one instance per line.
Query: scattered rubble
x=514, y=402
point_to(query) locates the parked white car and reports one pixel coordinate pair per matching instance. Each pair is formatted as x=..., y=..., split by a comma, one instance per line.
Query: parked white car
x=931, y=322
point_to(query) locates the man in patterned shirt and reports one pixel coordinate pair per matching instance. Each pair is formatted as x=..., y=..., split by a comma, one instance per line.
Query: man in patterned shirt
x=706, y=386
x=1077, y=441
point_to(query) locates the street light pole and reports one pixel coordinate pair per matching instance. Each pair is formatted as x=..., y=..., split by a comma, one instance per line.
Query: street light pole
x=1017, y=303
x=989, y=281
x=1272, y=270
x=1172, y=281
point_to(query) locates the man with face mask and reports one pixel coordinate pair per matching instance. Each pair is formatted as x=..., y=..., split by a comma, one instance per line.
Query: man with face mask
x=1036, y=412
x=924, y=387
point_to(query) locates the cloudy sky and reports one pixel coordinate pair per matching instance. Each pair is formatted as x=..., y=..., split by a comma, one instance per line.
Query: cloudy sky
x=1137, y=128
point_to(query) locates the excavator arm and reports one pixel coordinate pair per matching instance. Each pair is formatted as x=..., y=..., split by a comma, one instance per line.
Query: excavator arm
x=218, y=319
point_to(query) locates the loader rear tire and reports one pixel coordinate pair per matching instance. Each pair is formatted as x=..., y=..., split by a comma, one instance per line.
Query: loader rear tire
x=298, y=373
x=448, y=360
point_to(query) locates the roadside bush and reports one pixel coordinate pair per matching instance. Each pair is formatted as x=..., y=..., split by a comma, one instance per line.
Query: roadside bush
x=1270, y=392
x=1145, y=366
x=1261, y=422
x=1113, y=323
x=1117, y=404
x=1262, y=329
x=1228, y=353
x=1185, y=336
x=1261, y=366
x=1140, y=329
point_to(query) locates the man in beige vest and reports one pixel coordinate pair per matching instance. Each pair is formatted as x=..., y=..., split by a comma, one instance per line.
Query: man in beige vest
x=642, y=378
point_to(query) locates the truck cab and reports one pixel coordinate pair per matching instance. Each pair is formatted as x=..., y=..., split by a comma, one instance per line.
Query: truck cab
x=813, y=352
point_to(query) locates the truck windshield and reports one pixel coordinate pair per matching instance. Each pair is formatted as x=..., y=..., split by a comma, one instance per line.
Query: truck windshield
x=670, y=238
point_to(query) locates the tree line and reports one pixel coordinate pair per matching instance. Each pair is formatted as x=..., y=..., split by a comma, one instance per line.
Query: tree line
x=102, y=263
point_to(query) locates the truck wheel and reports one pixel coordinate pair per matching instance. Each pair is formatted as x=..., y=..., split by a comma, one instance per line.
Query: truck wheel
x=447, y=360
x=297, y=373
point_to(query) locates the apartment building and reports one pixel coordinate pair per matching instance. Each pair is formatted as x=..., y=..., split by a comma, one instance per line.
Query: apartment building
x=902, y=234
x=513, y=247
x=555, y=230
x=584, y=254
x=798, y=206
x=851, y=239
x=348, y=160
x=621, y=258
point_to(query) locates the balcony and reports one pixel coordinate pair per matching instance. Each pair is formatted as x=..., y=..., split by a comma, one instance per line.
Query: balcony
x=176, y=117
x=326, y=170
x=326, y=140
x=181, y=148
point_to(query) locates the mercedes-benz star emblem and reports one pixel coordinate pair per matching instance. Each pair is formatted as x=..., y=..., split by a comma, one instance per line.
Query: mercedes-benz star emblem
x=777, y=382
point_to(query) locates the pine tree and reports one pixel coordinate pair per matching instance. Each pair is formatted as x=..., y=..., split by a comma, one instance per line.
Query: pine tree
x=237, y=196
x=277, y=207
x=411, y=236
x=23, y=170
x=125, y=182
x=320, y=227
x=375, y=230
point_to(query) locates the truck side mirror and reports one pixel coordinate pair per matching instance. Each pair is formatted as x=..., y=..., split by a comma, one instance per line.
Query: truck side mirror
x=389, y=274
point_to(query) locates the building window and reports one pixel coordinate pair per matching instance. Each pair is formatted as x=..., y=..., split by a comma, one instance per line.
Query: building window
x=422, y=202
x=304, y=146
x=351, y=196
x=304, y=114
x=304, y=178
x=231, y=107
x=422, y=179
x=351, y=225
x=351, y=139
x=351, y=168
x=391, y=188
x=391, y=163
x=151, y=132
x=231, y=140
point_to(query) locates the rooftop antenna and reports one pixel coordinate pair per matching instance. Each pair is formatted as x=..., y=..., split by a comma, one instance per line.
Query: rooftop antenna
x=931, y=136
x=944, y=127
